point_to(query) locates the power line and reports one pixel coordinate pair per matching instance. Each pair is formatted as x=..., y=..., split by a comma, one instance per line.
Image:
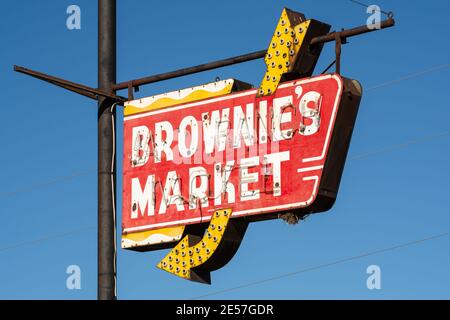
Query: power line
x=401, y=145
x=411, y=76
x=367, y=6
x=46, y=238
x=317, y=267
x=45, y=184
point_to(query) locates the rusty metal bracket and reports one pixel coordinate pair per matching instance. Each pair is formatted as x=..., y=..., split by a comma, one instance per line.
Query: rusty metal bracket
x=330, y=37
x=338, y=49
x=339, y=40
x=81, y=89
x=130, y=91
x=132, y=88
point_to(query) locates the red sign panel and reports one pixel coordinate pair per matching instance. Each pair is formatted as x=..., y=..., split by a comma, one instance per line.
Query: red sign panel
x=255, y=155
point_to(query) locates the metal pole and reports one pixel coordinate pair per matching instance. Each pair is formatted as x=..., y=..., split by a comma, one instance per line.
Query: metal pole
x=106, y=151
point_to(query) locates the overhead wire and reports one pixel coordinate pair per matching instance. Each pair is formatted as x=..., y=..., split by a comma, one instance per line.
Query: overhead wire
x=325, y=265
x=46, y=238
x=367, y=6
x=408, y=77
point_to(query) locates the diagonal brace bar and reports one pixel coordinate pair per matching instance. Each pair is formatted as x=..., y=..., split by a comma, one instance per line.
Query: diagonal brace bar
x=71, y=86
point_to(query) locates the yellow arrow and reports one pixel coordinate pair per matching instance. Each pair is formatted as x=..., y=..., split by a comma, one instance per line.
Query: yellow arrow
x=289, y=50
x=188, y=256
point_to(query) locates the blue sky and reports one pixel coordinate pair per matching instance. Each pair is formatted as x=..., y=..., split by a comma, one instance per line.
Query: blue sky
x=394, y=189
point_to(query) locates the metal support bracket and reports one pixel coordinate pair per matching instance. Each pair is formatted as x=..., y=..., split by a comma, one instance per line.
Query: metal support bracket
x=330, y=37
x=339, y=41
x=81, y=89
x=338, y=49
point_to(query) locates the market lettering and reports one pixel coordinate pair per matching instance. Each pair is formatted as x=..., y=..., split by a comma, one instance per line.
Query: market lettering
x=147, y=198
